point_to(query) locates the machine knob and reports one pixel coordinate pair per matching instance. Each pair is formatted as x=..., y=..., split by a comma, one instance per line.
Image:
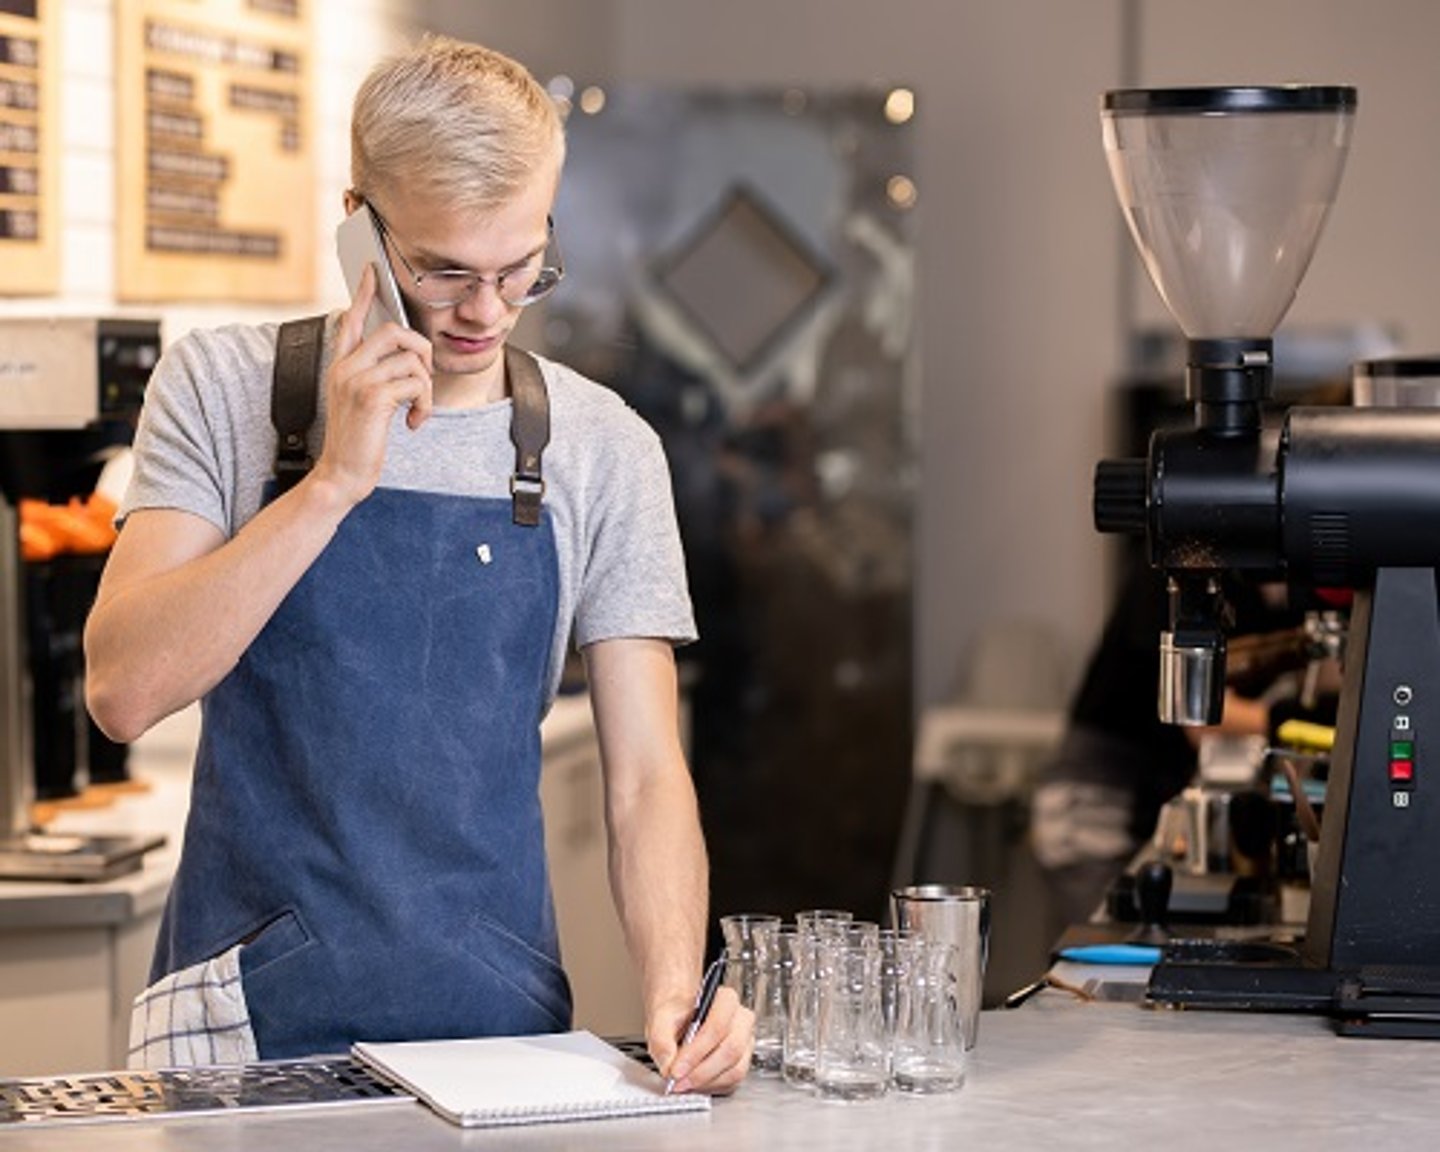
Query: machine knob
x=1152, y=893
x=1121, y=491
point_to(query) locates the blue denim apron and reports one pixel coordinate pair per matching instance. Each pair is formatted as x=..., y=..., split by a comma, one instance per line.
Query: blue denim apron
x=365, y=818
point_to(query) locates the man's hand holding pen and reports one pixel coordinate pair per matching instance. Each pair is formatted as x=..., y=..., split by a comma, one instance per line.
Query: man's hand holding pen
x=703, y=1043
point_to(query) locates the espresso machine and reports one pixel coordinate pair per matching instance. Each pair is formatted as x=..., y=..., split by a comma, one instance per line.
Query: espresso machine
x=1226, y=192
x=70, y=389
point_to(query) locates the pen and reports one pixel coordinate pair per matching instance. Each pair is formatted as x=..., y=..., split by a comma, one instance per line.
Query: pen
x=709, y=985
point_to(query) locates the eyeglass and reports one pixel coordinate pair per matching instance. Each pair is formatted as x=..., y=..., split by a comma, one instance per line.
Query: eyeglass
x=524, y=283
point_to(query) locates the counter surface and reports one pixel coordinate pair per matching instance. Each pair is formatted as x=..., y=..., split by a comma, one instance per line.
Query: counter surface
x=1054, y=1074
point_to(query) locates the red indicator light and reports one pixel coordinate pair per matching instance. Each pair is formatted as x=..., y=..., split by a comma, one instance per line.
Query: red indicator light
x=1402, y=770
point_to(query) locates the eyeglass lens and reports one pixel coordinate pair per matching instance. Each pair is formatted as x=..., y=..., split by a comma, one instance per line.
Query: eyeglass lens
x=517, y=287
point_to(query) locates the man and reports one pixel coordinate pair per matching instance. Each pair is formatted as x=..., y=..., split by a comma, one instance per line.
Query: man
x=376, y=646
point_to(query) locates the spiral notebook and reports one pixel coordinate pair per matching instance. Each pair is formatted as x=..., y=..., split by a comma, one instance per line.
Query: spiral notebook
x=525, y=1079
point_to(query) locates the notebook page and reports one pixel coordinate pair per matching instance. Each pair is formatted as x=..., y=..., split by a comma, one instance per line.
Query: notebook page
x=525, y=1079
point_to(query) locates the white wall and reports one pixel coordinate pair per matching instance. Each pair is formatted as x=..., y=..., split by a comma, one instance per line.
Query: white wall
x=552, y=37
x=1378, y=257
x=349, y=36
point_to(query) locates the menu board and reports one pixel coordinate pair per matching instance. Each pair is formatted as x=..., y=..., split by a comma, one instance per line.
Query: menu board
x=29, y=155
x=216, y=165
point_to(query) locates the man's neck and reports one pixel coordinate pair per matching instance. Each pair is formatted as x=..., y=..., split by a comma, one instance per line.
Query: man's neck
x=471, y=390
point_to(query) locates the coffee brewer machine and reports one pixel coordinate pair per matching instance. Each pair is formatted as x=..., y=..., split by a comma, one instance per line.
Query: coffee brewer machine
x=1226, y=191
x=70, y=389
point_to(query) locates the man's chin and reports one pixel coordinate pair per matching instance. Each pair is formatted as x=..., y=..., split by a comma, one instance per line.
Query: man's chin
x=455, y=364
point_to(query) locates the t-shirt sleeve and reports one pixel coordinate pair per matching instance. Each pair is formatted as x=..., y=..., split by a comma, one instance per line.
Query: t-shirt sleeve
x=634, y=580
x=177, y=462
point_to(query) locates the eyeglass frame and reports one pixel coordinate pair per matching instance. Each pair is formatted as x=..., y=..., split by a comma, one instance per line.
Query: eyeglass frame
x=476, y=279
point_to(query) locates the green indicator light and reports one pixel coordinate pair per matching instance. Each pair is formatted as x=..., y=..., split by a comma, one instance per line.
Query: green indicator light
x=1402, y=749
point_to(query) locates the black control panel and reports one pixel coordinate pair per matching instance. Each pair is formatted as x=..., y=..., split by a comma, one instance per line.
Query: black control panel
x=128, y=351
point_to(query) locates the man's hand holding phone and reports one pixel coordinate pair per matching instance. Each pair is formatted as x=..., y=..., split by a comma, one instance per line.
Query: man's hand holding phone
x=369, y=379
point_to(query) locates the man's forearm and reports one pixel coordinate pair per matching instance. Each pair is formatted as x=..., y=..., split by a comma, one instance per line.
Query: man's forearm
x=170, y=622
x=659, y=875
x=657, y=862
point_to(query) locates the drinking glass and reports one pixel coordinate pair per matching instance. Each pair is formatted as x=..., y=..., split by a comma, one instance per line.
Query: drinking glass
x=928, y=1054
x=851, y=1053
x=775, y=961
x=745, y=934
x=897, y=952
x=797, y=1063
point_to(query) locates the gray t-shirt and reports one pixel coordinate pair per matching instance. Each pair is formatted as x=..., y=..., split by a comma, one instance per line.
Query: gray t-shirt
x=206, y=445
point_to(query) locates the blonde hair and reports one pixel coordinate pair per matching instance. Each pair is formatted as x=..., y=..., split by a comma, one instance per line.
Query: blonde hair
x=453, y=121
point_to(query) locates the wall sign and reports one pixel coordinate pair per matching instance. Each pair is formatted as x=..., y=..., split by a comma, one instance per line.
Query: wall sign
x=217, y=171
x=29, y=157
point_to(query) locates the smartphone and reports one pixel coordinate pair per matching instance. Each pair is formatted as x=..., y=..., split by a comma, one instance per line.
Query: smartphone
x=359, y=242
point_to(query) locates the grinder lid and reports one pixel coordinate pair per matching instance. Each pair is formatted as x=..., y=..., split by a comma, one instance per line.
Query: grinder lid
x=1244, y=98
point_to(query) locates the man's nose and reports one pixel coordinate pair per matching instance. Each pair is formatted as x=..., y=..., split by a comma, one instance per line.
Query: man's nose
x=483, y=306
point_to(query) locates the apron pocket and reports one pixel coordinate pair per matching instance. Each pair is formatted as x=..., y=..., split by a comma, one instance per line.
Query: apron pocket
x=275, y=940
x=524, y=969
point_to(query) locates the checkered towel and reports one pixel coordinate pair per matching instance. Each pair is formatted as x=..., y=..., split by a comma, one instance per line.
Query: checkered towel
x=194, y=1016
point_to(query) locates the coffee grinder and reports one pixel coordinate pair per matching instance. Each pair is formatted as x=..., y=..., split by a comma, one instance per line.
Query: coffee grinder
x=70, y=389
x=1226, y=191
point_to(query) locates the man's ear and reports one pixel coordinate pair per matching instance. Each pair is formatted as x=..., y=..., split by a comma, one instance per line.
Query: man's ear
x=353, y=200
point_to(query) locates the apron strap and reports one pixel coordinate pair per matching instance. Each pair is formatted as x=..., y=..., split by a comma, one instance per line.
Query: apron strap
x=293, y=392
x=295, y=385
x=529, y=432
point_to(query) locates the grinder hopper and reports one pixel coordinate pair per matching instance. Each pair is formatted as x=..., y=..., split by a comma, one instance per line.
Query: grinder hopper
x=1226, y=191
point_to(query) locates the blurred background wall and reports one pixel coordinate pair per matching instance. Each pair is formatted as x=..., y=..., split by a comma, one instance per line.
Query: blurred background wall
x=1027, y=285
